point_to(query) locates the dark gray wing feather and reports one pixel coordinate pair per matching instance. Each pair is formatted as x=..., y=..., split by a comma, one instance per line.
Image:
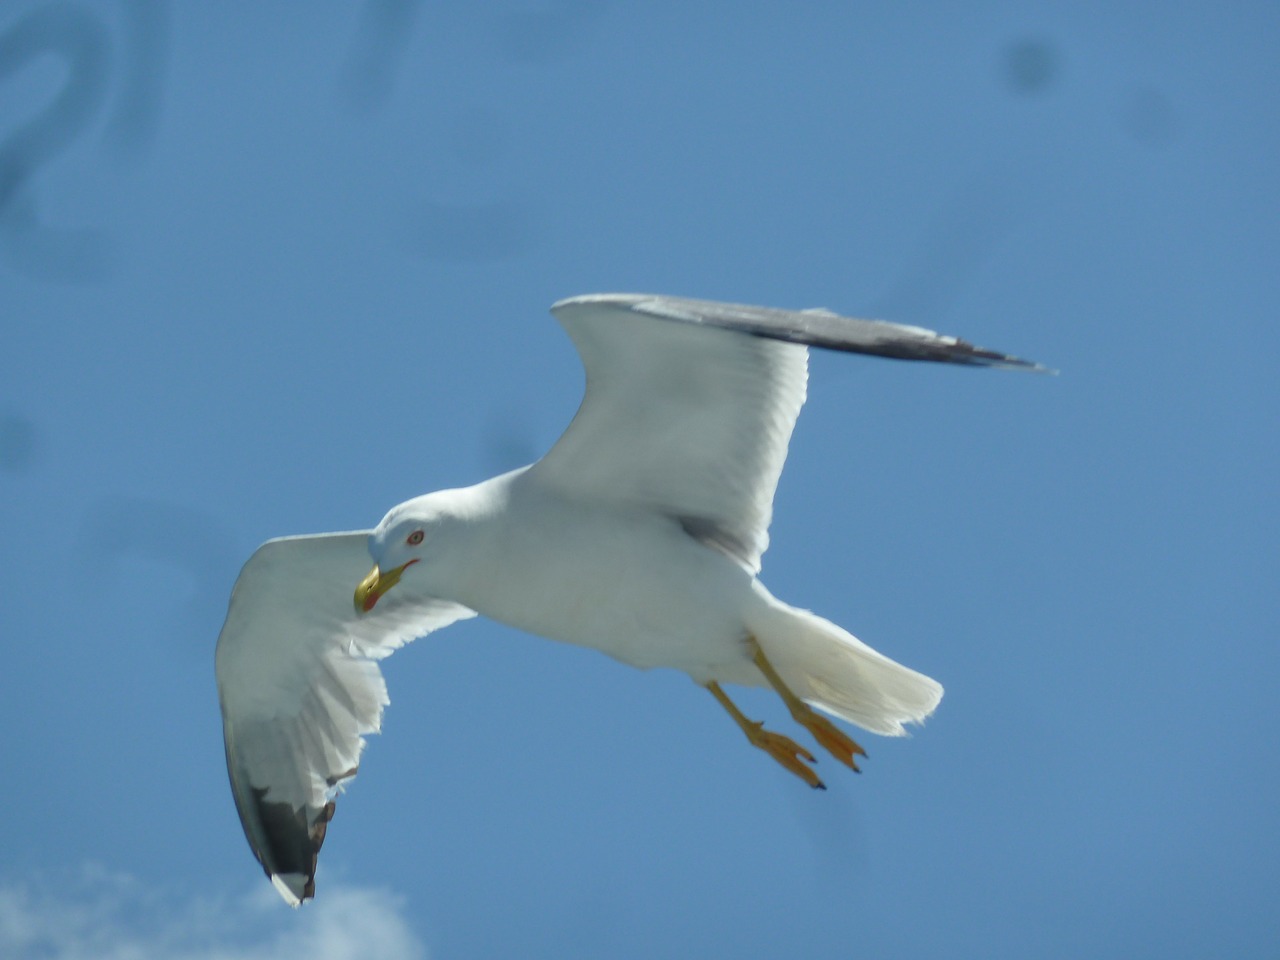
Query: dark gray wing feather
x=817, y=328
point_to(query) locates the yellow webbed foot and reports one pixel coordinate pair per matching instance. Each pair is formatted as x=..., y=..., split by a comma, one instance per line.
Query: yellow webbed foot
x=787, y=752
x=783, y=749
x=834, y=740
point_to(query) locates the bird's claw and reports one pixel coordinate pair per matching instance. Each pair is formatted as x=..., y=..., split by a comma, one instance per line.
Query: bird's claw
x=787, y=752
x=834, y=740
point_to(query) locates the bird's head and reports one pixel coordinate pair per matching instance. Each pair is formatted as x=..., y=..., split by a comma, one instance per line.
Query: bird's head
x=402, y=539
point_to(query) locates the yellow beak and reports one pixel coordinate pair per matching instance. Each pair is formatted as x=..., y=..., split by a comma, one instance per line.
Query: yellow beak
x=377, y=583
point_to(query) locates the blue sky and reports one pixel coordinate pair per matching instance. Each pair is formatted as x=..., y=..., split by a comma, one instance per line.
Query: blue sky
x=266, y=273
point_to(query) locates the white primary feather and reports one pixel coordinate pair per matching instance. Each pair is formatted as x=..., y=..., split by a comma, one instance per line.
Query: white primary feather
x=299, y=688
x=715, y=464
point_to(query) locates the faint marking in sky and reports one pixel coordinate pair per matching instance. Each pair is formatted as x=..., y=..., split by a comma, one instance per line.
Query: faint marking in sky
x=539, y=36
x=19, y=442
x=1148, y=117
x=60, y=255
x=135, y=115
x=479, y=139
x=492, y=228
x=1031, y=65
x=963, y=234
x=377, y=51
x=508, y=442
x=176, y=535
x=836, y=832
x=485, y=230
x=79, y=39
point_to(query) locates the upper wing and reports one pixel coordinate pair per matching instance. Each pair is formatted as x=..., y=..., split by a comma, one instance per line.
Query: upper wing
x=690, y=404
x=678, y=417
x=815, y=328
x=299, y=687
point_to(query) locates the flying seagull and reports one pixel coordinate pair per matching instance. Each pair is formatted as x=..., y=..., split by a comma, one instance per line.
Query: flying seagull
x=639, y=534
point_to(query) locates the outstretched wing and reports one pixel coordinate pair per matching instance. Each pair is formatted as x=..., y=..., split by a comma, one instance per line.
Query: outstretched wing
x=299, y=687
x=818, y=328
x=690, y=404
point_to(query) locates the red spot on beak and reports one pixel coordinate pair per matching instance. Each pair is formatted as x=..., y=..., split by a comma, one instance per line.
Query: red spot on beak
x=370, y=601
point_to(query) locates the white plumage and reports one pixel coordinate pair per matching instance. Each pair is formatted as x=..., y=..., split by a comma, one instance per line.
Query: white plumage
x=639, y=534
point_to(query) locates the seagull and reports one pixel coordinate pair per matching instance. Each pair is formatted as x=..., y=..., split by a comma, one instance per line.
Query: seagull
x=639, y=534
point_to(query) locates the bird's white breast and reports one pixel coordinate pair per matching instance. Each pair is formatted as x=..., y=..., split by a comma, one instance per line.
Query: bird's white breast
x=630, y=583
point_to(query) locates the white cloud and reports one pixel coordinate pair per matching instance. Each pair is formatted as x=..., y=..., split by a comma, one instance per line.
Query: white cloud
x=98, y=915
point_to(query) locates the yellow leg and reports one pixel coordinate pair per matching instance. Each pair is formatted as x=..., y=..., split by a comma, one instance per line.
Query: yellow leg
x=839, y=744
x=783, y=749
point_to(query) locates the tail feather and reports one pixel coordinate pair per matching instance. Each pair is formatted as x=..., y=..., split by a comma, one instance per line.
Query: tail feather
x=836, y=672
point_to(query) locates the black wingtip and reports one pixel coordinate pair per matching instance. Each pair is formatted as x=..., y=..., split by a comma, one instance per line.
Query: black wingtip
x=982, y=357
x=287, y=841
x=940, y=349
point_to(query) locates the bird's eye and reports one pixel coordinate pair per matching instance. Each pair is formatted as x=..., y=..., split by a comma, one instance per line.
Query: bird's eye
x=415, y=538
